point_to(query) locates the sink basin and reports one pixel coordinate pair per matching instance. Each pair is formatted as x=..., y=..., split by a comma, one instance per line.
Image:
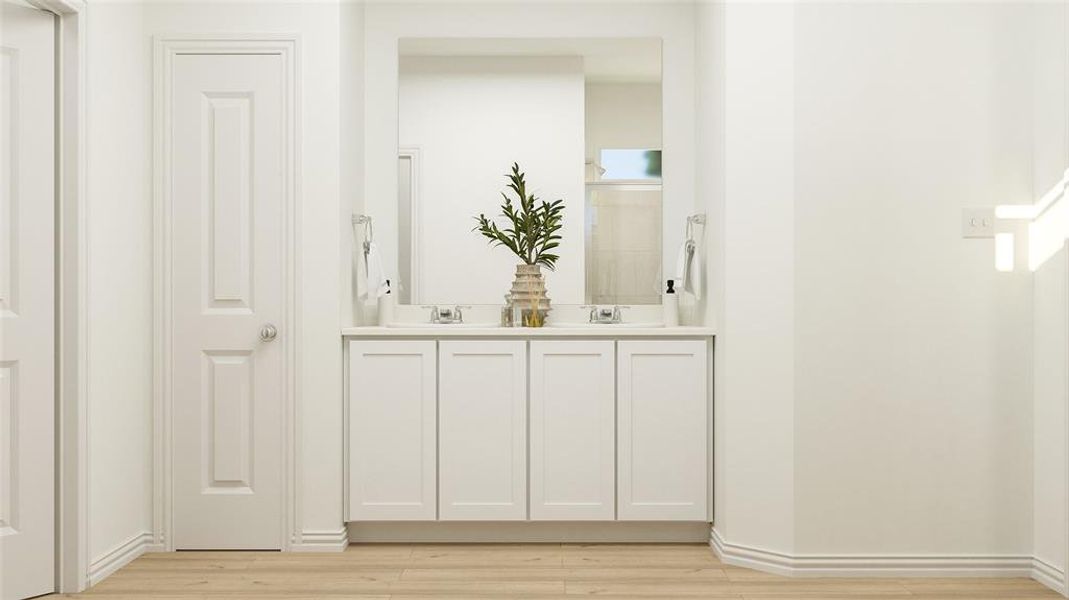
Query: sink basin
x=445, y=325
x=604, y=325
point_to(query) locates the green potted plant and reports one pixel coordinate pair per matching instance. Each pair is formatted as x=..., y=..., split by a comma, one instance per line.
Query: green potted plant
x=532, y=235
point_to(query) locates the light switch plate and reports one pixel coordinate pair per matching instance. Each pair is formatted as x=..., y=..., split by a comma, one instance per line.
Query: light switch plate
x=978, y=223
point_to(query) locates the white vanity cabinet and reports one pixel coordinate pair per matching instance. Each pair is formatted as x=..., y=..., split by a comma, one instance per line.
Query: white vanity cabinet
x=663, y=430
x=573, y=430
x=482, y=420
x=540, y=427
x=392, y=430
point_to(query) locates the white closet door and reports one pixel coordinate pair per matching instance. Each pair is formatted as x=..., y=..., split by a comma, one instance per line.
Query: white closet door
x=482, y=407
x=663, y=430
x=27, y=266
x=392, y=438
x=573, y=438
x=227, y=173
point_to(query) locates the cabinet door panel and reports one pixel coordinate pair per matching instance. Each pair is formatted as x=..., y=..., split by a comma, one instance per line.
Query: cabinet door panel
x=572, y=430
x=483, y=425
x=392, y=441
x=663, y=430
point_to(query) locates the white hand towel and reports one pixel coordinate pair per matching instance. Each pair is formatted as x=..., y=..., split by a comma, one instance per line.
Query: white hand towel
x=694, y=274
x=688, y=270
x=376, y=275
x=360, y=274
x=682, y=263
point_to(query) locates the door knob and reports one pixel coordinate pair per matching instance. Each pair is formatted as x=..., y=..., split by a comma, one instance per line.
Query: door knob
x=268, y=332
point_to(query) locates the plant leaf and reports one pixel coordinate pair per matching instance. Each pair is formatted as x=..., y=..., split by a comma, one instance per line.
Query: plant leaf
x=532, y=223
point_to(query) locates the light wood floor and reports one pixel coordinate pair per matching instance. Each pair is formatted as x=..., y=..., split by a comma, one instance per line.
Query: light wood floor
x=508, y=571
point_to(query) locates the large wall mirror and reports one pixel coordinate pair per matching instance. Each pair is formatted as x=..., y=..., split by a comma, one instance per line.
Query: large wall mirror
x=581, y=117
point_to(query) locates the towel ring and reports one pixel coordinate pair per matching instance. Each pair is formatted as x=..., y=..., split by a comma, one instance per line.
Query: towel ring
x=692, y=220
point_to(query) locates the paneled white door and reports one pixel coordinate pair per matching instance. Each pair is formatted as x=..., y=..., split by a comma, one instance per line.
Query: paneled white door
x=482, y=417
x=392, y=430
x=226, y=166
x=27, y=267
x=573, y=441
x=663, y=430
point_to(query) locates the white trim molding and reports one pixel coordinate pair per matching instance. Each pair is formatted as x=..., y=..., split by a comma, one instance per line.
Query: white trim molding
x=120, y=556
x=1050, y=576
x=72, y=323
x=322, y=541
x=287, y=46
x=875, y=565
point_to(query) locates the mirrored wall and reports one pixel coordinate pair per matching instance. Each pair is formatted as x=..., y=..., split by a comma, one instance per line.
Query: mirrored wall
x=581, y=117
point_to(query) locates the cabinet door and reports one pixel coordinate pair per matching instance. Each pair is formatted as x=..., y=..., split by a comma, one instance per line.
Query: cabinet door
x=663, y=430
x=572, y=430
x=392, y=430
x=483, y=424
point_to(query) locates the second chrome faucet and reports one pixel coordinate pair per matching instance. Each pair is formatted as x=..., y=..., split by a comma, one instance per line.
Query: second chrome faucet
x=605, y=315
x=447, y=316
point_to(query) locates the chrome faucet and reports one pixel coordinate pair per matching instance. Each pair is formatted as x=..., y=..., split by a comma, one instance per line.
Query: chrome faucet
x=458, y=313
x=447, y=316
x=605, y=315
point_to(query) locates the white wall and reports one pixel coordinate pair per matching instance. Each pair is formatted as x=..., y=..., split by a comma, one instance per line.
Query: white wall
x=873, y=370
x=913, y=354
x=1050, y=528
x=755, y=496
x=120, y=231
x=710, y=146
x=351, y=157
x=1051, y=332
x=470, y=118
x=386, y=23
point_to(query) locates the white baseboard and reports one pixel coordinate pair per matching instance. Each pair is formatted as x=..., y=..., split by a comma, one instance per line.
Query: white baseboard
x=871, y=565
x=531, y=532
x=120, y=556
x=322, y=541
x=1050, y=576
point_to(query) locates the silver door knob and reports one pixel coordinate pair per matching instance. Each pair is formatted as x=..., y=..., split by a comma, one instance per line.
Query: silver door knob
x=268, y=333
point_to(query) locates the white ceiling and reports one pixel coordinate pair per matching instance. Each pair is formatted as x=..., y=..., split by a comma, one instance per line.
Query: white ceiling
x=605, y=60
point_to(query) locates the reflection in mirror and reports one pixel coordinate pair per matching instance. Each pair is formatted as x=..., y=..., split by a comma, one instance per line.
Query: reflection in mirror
x=623, y=261
x=582, y=117
x=405, y=181
x=623, y=192
x=630, y=163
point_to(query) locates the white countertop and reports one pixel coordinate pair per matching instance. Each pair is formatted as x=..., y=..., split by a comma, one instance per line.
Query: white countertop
x=606, y=331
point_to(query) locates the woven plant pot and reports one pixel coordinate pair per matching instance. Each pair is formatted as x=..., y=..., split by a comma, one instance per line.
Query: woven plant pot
x=529, y=295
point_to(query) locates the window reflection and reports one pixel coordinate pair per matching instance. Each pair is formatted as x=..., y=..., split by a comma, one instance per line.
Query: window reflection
x=630, y=164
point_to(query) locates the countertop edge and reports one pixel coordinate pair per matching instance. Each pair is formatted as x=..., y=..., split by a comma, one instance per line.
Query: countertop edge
x=527, y=332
